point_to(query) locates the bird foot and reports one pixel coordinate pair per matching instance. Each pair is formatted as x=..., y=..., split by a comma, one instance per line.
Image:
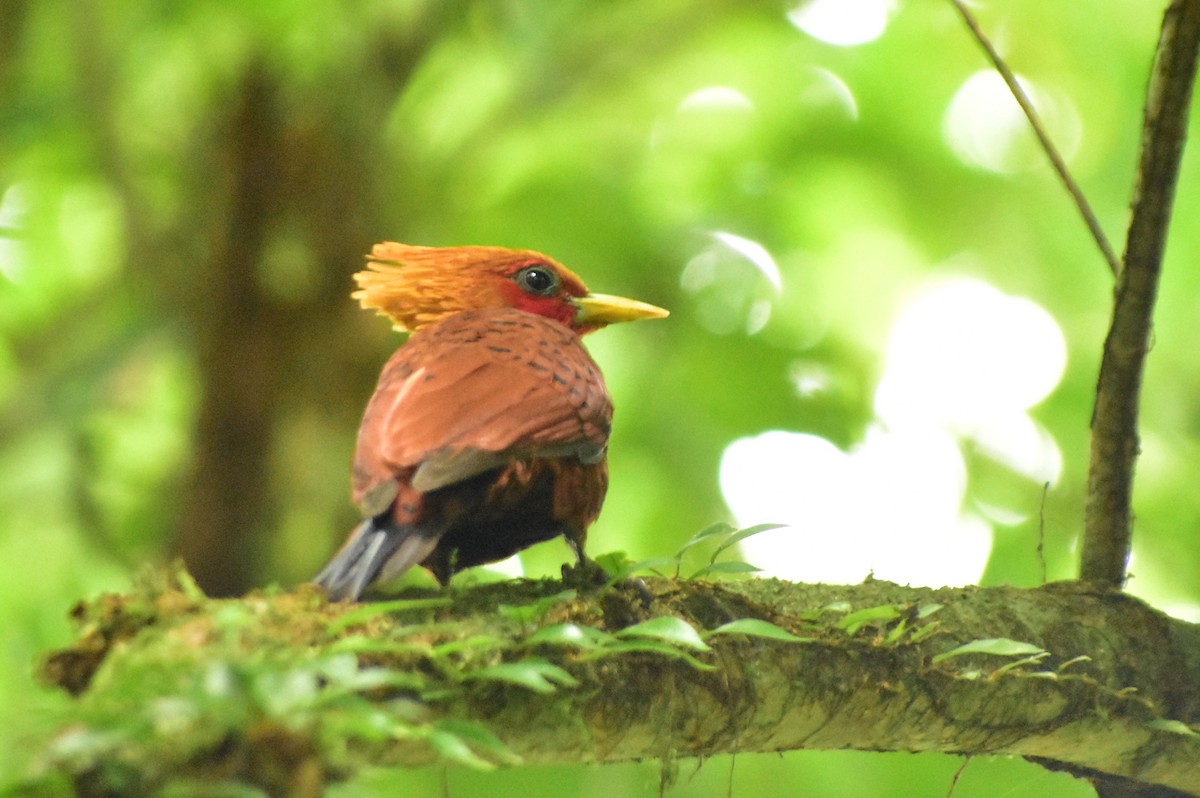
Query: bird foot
x=586, y=576
x=589, y=576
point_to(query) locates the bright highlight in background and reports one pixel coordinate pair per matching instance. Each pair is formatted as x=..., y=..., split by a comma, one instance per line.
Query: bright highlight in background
x=824, y=88
x=733, y=281
x=965, y=362
x=716, y=97
x=967, y=358
x=985, y=127
x=13, y=209
x=842, y=22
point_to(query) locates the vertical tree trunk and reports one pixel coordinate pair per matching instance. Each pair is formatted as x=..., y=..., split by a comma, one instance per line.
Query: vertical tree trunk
x=226, y=512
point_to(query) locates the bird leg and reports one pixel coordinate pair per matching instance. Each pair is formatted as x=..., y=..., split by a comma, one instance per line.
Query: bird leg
x=588, y=575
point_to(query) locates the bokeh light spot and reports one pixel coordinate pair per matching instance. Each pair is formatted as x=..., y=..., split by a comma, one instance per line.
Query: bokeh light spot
x=733, y=282
x=890, y=506
x=986, y=128
x=716, y=98
x=823, y=87
x=755, y=253
x=963, y=353
x=844, y=23
x=965, y=363
x=14, y=208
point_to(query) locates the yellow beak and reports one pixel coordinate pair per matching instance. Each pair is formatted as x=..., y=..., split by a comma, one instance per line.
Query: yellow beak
x=600, y=309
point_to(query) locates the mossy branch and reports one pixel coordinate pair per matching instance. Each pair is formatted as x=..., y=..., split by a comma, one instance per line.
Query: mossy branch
x=289, y=692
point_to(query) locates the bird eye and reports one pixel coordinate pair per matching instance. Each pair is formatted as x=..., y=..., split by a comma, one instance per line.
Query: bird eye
x=537, y=280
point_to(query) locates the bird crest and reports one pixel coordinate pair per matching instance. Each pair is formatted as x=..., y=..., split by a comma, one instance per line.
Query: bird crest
x=416, y=286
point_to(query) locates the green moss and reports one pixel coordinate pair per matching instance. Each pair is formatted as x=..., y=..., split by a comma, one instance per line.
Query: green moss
x=284, y=692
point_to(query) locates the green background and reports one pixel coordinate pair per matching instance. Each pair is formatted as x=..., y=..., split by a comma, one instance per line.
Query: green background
x=176, y=175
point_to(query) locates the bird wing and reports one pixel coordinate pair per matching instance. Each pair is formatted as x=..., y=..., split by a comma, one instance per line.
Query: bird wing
x=473, y=392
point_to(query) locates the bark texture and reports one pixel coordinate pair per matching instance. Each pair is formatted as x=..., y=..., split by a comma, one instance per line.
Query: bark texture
x=1114, y=448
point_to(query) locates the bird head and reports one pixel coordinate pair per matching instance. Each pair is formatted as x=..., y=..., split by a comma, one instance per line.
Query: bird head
x=416, y=286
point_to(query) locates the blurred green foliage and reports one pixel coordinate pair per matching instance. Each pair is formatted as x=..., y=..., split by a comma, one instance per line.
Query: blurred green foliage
x=185, y=189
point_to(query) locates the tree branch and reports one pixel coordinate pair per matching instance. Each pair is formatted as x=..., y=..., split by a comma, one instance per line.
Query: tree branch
x=1095, y=683
x=1047, y=144
x=1114, y=445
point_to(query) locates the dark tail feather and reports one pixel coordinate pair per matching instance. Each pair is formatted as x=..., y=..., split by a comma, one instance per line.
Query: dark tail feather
x=375, y=551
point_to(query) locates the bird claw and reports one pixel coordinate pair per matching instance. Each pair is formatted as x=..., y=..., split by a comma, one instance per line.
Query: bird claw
x=586, y=576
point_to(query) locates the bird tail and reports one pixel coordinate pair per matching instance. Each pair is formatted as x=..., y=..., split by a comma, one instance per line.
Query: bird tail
x=375, y=551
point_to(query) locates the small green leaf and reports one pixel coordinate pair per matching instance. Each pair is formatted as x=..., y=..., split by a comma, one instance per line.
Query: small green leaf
x=925, y=610
x=534, y=674
x=648, y=647
x=568, y=634
x=668, y=629
x=371, y=679
x=367, y=645
x=521, y=613
x=1172, y=726
x=341, y=675
x=480, y=642
x=453, y=748
x=922, y=632
x=997, y=646
x=480, y=738
x=753, y=627
x=1034, y=660
x=1082, y=658
x=719, y=528
x=725, y=567
x=897, y=632
x=337, y=668
x=856, y=620
x=833, y=606
x=742, y=534
x=1049, y=676
x=613, y=562
x=188, y=585
x=652, y=563
x=630, y=568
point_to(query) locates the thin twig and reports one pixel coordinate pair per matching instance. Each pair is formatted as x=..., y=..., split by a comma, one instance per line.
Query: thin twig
x=1114, y=449
x=957, y=775
x=1056, y=159
x=1041, y=544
